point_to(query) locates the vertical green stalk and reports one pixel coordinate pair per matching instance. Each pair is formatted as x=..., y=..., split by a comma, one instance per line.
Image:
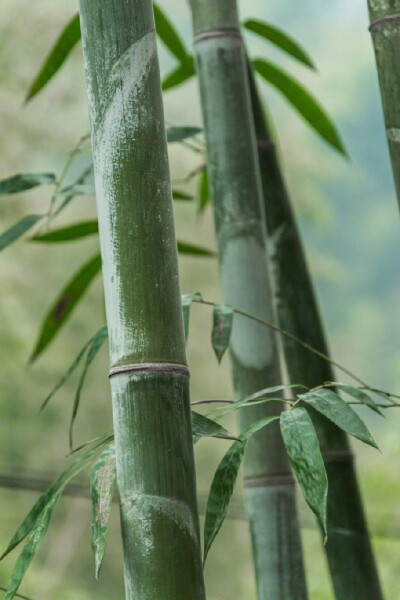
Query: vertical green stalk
x=240, y=229
x=385, y=31
x=348, y=549
x=149, y=377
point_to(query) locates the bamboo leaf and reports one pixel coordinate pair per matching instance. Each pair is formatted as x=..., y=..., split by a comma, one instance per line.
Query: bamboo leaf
x=69, y=37
x=191, y=249
x=102, y=484
x=65, y=303
x=69, y=372
x=302, y=101
x=204, y=191
x=358, y=394
x=224, y=483
x=25, y=181
x=95, y=344
x=179, y=195
x=334, y=408
x=168, y=34
x=67, y=234
x=222, y=329
x=280, y=39
x=187, y=300
x=204, y=427
x=305, y=456
x=18, y=230
x=179, y=74
x=178, y=134
x=78, y=189
x=75, y=189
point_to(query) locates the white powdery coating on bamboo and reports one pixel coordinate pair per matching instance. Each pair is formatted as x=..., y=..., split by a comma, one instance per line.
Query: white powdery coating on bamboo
x=114, y=141
x=243, y=266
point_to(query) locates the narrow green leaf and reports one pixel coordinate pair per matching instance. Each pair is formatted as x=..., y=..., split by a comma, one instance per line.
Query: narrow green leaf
x=69, y=37
x=65, y=303
x=67, y=234
x=18, y=230
x=305, y=456
x=191, y=249
x=179, y=195
x=25, y=181
x=222, y=329
x=358, y=394
x=264, y=393
x=281, y=39
x=302, y=101
x=204, y=427
x=334, y=408
x=95, y=344
x=179, y=74
x=204, y=191
x=224, y=483
x=178, y=134
x=78, y=189
x=187, y=300
x=168, y=34
x=75, y=189
x=102, y=485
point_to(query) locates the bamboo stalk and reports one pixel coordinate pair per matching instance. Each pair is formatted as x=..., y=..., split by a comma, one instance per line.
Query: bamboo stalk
x=149, y=377
x=348, y=549
x=240, y=229
x=385, y=32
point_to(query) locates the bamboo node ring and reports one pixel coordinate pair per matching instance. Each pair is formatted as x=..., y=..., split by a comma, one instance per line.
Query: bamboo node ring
x=217, y=33
x=167, y=368
x=388, y=19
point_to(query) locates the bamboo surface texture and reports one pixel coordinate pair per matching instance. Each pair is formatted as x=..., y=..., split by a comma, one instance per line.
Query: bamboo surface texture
x=240, y=229
x=349, y=552
x=149, y=382
x=385, y=32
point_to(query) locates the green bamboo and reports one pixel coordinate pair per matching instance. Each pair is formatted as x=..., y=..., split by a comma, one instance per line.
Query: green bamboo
x=348, y=549
x=149, y=377
x=240, y=229
x=385, y=31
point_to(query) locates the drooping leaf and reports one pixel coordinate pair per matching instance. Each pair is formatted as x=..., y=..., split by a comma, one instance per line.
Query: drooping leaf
x=168, y=34
x=69, y=37
x=224, y=482
x=179, y=74
x=222, y=329
x=302, y=101
x=67, y=234
x=191, y=249
x=358, y=394
x=204, y=191
x=102, y=484
x=96, y=343
x=204, y=427
x=305, y=456
x=179, y=134
x=25, y=181
x=179, y=195
x=65, y=303
x=334, y=408
x=78, y=189
x=265, y=393
x=281, y=39
x=187, y=300
x=17, y=230
x=75, y=189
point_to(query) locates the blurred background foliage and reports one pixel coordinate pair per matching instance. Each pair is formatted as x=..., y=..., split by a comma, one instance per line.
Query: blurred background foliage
x=348, y=216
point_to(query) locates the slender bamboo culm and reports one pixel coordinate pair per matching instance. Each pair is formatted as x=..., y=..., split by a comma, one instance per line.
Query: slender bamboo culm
x=351, y=562
x=240, y=229
x=149, y=377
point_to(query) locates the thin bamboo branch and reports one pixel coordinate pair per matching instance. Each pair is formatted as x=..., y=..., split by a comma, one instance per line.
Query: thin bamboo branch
x=149, y=377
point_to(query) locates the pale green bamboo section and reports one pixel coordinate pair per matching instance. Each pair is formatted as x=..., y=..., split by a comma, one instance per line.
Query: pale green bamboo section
x=240, y=229
x=349, y=552
x=385, y=31
x=149, y=382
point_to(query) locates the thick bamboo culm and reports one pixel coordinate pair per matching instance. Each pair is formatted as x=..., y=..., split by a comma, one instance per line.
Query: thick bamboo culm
x=149, y=377
x=240, y=229
x=351, y=561
x=385, y=32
